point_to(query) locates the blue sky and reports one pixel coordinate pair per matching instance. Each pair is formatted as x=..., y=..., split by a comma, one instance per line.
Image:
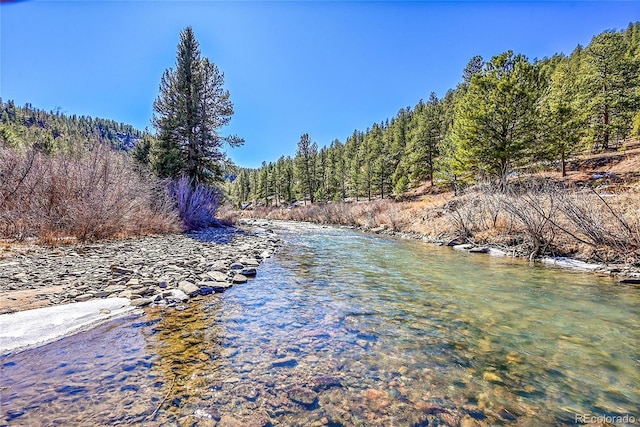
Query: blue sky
x=325, y=68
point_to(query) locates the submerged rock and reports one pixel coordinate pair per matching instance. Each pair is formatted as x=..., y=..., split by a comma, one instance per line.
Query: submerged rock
x=303, y=396
x=287, y=362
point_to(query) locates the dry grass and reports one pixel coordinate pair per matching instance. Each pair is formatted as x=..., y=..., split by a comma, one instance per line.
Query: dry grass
x=95, y=194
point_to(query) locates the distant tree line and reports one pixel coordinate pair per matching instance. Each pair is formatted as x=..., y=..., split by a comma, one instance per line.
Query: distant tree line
x=53, y=131
x=508, y=112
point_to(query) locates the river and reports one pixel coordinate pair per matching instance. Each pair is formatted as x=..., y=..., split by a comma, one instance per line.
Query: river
x=346, y=328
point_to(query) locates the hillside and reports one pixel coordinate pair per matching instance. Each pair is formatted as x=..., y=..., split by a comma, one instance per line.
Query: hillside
x=28, y=126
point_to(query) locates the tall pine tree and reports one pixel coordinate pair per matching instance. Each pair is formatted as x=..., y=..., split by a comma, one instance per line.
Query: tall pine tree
x=190, y=110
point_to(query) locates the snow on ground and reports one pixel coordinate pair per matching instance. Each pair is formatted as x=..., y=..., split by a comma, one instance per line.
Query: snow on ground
x=32, y=328
x=570, y=263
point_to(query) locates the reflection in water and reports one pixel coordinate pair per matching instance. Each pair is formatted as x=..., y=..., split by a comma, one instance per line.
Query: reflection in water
x=343, y=328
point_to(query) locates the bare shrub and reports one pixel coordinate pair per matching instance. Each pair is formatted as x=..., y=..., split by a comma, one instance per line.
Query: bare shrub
x=92, y=194
x=466, y=215
x=534, y=209
x=610, y=224
x=197, y=204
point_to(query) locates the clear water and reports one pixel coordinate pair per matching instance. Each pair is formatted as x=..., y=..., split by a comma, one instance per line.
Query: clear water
x=343, y=328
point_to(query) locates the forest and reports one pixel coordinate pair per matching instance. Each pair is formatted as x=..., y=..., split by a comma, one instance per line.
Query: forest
x=508, y=114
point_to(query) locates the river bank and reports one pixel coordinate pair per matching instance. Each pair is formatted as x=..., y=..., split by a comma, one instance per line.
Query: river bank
x=162, y=270
x=442, y=219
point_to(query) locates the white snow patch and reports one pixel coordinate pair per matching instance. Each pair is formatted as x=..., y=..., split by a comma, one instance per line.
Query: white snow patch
x=570, y=263
x=496, y=252
x=32, y=328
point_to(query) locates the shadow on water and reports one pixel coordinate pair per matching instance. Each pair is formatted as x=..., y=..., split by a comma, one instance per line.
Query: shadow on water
x=342, y=328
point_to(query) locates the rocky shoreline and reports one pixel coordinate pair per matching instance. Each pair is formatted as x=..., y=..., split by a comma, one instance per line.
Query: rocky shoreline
x=163, y=270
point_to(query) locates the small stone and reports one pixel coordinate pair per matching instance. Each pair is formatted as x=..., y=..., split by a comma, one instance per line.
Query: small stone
x=125, y=294
x=216, y=276
x=265, y=254
x=237, y=266
x=101, y=294
x=121, y=270
x=84, y=297
x=176, y=294
x=373, y=394
x=140, y=302
x=114, y=288
x=105, y=311
x=220, y=286
x=463, y=247
x=188, y=288
x=250, y=262
x=303, y=396
x=287, y=362
x=239, y=278
x=133, y=282
x=206, y=290
x=479, y=250
x=249, y=272
x=490, y=376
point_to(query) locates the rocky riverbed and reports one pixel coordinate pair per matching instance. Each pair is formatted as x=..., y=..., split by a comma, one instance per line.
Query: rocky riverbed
x=162, y=270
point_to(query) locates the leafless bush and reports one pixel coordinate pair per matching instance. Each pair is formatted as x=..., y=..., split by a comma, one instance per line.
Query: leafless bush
x=610, y=225
x=533, y=209
x=197, y=203
x=88, y=195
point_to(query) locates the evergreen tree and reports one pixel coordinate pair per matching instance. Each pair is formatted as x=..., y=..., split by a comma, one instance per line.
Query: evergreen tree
x=425, y=142
x=495, y=121
x=610, y=87
x=562, y=119
x=191, y=108
x=305, y=167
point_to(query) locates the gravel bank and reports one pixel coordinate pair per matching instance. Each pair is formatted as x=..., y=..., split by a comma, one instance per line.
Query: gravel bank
x=165, y=270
